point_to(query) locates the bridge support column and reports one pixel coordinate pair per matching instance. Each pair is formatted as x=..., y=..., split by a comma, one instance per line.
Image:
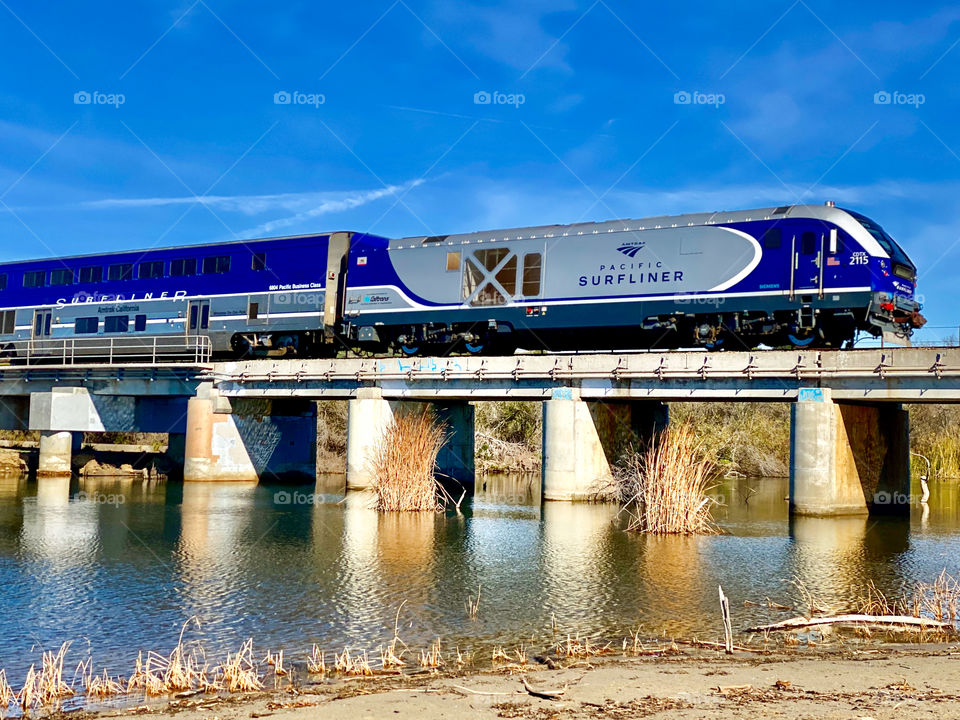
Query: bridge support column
x=848, y=459
x=581, y=439
x=574, y=466
x=56, y=452
x=248, y=440
x=369, y=416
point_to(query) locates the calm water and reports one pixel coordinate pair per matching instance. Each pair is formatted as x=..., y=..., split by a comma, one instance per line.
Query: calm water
x=290, y=569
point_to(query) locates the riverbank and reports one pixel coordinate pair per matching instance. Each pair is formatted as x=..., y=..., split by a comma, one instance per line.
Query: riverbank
x=901, y=682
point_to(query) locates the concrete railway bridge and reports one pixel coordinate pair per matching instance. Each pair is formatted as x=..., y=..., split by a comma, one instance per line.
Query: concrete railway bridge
x=243, y=421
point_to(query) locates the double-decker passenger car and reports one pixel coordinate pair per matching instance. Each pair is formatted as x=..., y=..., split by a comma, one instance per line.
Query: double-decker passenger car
x=803, y=275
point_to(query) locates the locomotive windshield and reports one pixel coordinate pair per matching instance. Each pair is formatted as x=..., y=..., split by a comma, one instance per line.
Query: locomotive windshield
x=895, y=252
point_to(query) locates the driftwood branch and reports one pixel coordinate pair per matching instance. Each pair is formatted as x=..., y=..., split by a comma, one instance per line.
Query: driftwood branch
x=856, y=619
x=545, y=694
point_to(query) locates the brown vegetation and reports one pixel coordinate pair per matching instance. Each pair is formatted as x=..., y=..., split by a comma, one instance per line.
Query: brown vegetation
x=664, y=489
x=405, y=462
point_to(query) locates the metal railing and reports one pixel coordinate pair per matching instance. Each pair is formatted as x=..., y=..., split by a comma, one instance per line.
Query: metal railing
x=151, y=349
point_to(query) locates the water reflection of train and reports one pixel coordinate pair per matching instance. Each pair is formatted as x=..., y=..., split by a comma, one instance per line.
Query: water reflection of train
x=801, y=274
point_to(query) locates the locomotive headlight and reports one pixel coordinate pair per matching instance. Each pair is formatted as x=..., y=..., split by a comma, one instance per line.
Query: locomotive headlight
x=904, y=272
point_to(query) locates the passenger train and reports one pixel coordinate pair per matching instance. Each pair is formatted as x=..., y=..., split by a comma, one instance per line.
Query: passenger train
x=800, y=275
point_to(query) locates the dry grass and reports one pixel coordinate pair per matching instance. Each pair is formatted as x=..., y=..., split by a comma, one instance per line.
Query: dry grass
x=939, y=600
x=316, y=663
x=577, y=648
x=432, y=658
x=348, y=665
x=7, y=695
x=405, y=462
x=239, y=670
x=500, y=655
x=664, y=489
x=46, y=687
x=473, y=606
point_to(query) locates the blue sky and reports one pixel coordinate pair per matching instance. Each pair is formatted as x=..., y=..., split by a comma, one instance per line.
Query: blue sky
x=186, y=137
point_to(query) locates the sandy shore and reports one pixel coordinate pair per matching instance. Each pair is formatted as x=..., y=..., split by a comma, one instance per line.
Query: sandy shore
x=892, y=683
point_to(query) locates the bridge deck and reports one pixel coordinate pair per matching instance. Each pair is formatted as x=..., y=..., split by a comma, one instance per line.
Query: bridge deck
x=895, y=375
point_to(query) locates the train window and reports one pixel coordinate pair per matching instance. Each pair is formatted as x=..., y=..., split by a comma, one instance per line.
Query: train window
x=3, y=281
x=61, y=276
x=148, y=270
x=259, y=261
x=121, y=271
x=93, y=274
x=34, y=278
x=507, y=277
x=490, y=258
x=86, y=325
x=9, y=322
x=453, y=261
x=216, y=265
x=808, y=243
x=205, y=317
x=532, y=266
x=183, y=266
x=253, y=310
x=140, y=323
x=772, y=238
x=116, y=323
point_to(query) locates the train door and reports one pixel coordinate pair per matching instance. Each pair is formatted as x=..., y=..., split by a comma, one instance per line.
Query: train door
x=807, y=255
x=198, y=316
x=338, y=253
x=42, y=324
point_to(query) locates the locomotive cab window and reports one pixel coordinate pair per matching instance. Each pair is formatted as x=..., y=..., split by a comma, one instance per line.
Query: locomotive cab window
x=120, y=271
x=772, y=238
x=86, y=325
x=183, y=266
x=808, y=243
x=34, y=278
x=259, y=261
x=216, y=265
x=116, y=323
x=93, y=274
x=149, y=270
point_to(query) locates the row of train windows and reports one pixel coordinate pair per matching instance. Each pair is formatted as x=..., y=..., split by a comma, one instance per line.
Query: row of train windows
x=111, y=324
x=773, y=238
x=147, y=270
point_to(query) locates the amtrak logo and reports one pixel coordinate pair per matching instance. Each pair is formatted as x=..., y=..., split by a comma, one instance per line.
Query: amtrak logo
x=631, y=249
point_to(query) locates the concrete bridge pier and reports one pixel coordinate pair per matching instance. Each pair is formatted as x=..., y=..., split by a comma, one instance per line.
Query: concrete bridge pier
x=581, y=439
x=848, y=459
x=56, y=452
x=246, y=440
x=369, y=416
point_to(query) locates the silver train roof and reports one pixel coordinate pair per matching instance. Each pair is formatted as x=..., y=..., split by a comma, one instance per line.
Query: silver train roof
x=826, y=213
x=820, y=212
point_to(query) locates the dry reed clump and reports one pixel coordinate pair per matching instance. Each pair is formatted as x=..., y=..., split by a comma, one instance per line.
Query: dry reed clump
x=358, y=665
x=238, y=672
x=664, y=489
x=432, y=658
x=405, y=461
x=939, y=600
x=46, y=687
x=316, y=663
x=577, y=648
x=473, y=606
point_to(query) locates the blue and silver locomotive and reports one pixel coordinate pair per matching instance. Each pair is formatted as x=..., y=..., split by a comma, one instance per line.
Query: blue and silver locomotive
x=799, y=274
